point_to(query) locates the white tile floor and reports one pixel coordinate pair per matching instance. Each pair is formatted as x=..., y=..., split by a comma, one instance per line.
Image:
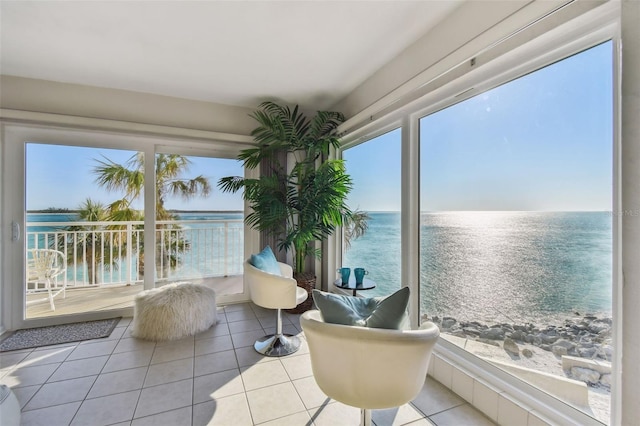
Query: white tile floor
x=215, y=378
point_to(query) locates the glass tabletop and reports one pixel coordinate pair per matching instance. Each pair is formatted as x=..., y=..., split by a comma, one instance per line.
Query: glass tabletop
x=367, y=284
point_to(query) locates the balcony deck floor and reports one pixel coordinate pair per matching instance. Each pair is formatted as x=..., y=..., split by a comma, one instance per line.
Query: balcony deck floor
x=94, y=299
x=214, y=378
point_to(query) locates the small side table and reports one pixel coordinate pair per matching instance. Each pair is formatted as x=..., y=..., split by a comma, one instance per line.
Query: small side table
x=367, y=284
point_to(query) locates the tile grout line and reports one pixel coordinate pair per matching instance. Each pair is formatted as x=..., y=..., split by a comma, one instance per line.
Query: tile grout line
x=66, y=359
x=244, y=386
x=155, y=346
x=47, y=379
x=15, y=367
x=193, y=343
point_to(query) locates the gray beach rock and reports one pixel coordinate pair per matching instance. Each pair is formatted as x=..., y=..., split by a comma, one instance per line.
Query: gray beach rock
x=597, y=327
x=605, y=380
x=588, y=337
x=586, y=352
x=518, y=335
x=585, y=341
x=472, y=331
x=559, y=350
x=586, y=375
x=548, y=338
x=448, y=322
x=489, y=342
x=511, y=346
x=565, y=344
x=608, y=352
x=527, y=353
x=493, y=334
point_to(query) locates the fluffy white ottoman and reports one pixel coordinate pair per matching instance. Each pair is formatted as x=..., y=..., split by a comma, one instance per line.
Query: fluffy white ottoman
x=173, y=311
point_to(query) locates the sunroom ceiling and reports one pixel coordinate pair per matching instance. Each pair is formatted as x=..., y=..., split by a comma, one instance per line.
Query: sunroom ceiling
x=230, y=52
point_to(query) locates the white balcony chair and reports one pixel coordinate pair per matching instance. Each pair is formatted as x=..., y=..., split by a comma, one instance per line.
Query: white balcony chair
x=275, y=292
x=368, y=368
x=44, y=266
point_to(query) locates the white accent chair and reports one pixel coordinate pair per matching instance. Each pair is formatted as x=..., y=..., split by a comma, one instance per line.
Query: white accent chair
x=275, y=292
x=368, y=368
x=44, y=266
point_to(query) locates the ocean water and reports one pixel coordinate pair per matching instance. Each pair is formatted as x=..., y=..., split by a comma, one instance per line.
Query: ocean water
x=70, y=217
x=486, y=266
x=498, y=266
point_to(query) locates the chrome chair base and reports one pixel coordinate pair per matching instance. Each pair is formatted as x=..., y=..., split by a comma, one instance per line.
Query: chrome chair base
x=277, y=345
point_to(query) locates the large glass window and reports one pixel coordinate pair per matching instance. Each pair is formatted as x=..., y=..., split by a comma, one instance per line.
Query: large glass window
x=372, y=240
x=516, y=225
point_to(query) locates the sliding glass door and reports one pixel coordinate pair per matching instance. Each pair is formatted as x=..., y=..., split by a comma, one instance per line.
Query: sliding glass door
x=82, y=255
x=80, y=203
x=199, y=229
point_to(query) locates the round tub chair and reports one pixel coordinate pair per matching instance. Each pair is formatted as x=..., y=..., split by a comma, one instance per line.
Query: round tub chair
x=368, y=368
x=275, y=292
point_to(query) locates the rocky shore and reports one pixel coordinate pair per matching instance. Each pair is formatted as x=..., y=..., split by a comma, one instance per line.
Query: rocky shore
x=584, y=336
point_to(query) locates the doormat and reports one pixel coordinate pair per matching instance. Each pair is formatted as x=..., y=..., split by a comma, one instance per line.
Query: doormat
x=57, y=334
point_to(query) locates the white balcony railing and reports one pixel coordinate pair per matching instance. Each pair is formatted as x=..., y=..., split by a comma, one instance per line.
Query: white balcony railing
x=110, y=253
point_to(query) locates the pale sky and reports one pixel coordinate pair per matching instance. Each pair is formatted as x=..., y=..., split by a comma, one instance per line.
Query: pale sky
x=51, y=184
x=374, y=167
x=541, y=142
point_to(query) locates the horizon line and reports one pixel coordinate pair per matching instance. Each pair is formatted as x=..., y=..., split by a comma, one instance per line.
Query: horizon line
x=65, y=210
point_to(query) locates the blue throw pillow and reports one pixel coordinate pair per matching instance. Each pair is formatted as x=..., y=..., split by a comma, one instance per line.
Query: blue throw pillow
x=375, y=312
x=266, y=261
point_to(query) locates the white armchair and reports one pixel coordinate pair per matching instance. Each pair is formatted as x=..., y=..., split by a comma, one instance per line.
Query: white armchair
x=275, y=292
x=368, y=368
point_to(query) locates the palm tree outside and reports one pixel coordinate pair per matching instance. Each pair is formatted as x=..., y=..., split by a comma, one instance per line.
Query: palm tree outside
x=355, y=225
x=128, y=178
x=89, y=245
x=304, y=201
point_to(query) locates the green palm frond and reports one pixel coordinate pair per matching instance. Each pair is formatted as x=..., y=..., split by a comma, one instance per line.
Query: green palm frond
x=188, y=188
x=356, y=224
x=116, y=177
x=128, y=178
x=307, y=202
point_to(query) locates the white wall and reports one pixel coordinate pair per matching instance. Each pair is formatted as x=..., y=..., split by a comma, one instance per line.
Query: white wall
x=464, y=24
x=630, y=215
x=472, y=30
x=33, y=95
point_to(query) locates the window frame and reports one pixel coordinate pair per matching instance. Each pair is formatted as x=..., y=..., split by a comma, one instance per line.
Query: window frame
x=570, y=38
x=15, y=136
x=388, y=128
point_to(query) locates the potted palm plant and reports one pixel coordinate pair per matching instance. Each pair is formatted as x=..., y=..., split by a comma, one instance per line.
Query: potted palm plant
x=298, y=203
